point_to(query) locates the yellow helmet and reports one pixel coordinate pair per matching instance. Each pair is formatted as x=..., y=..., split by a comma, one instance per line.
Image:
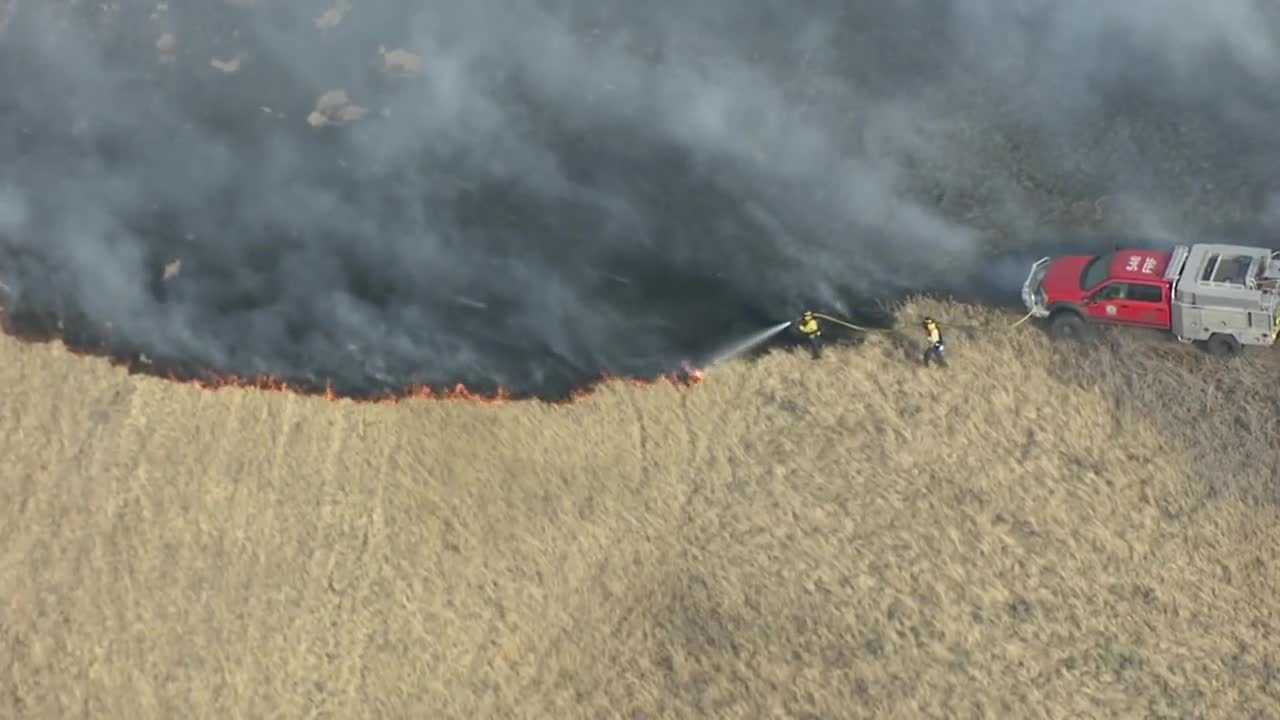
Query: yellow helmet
x=929, y=321
x=808, y=315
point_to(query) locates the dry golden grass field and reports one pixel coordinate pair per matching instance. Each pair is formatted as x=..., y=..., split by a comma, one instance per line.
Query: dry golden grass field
x=1035, y=532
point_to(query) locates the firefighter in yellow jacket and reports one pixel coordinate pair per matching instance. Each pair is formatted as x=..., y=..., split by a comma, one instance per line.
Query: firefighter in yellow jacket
x=807, y=327
x=937, y=347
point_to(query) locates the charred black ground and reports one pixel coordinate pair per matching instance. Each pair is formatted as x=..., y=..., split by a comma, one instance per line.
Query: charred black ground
x=570, y=190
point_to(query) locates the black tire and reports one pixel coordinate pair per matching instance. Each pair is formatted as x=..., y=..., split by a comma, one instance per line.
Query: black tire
x=1223, y=346
x=1069, y=326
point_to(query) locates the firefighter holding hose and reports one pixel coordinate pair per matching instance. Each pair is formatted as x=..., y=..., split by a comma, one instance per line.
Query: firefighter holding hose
x=807, y=327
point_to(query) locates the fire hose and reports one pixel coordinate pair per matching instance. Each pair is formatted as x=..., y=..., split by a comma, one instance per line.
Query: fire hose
x=1024, y=319
x=859, y=328
x=851, y=326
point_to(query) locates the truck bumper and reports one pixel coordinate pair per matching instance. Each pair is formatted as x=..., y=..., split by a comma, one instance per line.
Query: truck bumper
x=1032, y=297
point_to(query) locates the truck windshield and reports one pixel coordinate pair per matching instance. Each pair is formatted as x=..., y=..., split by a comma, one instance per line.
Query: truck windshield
x=1096, y=271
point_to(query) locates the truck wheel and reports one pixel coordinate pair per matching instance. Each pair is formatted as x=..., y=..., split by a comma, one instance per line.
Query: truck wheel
x=1068, y=326
x=1221, y=345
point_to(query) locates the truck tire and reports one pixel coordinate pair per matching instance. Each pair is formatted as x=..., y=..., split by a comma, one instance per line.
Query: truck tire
x=1223, y=345
x=1067, y=325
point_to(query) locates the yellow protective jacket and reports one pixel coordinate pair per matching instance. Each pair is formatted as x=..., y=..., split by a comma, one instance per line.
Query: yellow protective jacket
x=809, y=327
x=935, y=333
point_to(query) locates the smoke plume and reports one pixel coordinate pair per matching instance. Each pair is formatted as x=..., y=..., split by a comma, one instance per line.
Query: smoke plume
x=530, y=194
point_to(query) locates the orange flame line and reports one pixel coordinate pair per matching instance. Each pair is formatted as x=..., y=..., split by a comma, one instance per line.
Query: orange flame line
x=686, y=377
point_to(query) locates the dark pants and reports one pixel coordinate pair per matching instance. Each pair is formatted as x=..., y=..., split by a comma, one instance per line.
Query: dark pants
x=815, y=346
x=935, y=353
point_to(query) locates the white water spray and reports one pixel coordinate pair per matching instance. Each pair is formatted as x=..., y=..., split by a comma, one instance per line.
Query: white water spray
x=741, y=346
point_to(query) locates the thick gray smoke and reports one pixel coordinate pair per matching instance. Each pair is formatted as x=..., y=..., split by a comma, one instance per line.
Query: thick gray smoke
x=563, y=187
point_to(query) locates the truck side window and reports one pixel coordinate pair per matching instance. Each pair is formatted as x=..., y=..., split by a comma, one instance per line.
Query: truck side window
x=1145, y=293
x=1114, y=291
x=1233, y=270
x=1210, y=264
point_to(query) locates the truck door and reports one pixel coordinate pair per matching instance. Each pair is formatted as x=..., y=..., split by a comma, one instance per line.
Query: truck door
x=1106, y=305
x=1146, y=304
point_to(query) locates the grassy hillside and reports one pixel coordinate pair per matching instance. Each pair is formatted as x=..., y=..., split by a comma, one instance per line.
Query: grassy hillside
x=1032, y=533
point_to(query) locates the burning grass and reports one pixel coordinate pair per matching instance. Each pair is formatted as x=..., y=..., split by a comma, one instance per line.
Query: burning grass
x=97, y=344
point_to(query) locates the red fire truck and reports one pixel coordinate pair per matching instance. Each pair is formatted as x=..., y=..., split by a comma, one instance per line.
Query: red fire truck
x=1225, y=296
